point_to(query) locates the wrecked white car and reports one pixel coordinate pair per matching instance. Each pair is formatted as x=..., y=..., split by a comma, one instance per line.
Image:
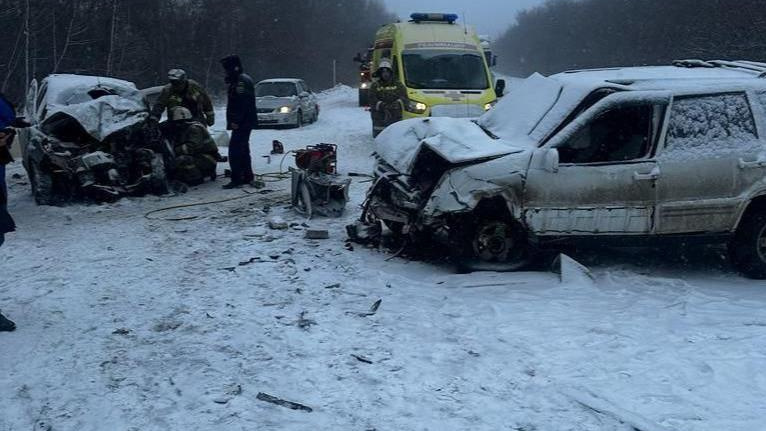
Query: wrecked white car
x=90, y=139
x=622, y=155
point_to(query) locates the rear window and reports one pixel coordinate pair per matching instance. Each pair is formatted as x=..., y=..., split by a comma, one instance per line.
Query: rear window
x=711, y=126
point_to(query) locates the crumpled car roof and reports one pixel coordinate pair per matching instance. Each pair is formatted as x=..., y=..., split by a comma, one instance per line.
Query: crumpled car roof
x=101, y=106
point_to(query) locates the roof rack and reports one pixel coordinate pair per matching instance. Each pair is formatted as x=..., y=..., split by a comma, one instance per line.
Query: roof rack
x=755, y=67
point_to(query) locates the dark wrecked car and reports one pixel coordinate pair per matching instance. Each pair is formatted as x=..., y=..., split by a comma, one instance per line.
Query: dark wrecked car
x=90, y=139
x=622, y=156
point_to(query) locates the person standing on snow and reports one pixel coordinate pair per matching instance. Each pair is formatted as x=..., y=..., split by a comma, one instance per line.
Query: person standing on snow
x=187, y=93
x=7, y=118
x=241, y=119
x=387, y=98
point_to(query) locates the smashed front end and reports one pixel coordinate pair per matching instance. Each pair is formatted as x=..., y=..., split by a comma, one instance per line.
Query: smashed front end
x=97, y=145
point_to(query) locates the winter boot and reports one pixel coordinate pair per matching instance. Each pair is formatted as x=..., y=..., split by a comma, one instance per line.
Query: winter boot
x=6, y=325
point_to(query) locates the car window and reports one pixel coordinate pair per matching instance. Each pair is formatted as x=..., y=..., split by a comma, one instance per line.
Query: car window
x=617, y=135
x=276, y=89
x=710, y=126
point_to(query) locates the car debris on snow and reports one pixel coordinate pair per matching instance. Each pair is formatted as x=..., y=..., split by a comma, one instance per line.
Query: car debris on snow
x=317, y=234
x=284, y=403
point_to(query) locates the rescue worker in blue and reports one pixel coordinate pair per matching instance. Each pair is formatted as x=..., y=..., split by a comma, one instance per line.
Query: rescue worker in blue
x=7, y=118
x=241, y=119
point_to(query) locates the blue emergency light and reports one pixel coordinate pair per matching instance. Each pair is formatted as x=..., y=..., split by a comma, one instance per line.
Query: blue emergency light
x=434, y=17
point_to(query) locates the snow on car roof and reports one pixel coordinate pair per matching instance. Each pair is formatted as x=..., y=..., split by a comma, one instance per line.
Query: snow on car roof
x=63, y=89
x=659, y=77
x=293, y=80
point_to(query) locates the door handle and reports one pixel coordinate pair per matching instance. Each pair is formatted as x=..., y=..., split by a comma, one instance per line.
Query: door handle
x=751, y=164
x=654, y=175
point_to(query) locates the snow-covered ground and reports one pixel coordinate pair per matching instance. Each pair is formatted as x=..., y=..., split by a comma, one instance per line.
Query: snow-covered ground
x=127, y=323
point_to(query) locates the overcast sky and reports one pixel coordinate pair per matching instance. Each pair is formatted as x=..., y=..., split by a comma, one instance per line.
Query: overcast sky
x=488, y=16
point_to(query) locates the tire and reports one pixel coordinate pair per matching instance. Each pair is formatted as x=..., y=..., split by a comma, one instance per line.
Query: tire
x=747, y=250
x=42, y=185
x=315, y=117
x=299, y=120
x=491, y=243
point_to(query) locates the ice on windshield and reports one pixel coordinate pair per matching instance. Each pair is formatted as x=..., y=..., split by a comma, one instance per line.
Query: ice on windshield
x=445, y=70
x=276, y=89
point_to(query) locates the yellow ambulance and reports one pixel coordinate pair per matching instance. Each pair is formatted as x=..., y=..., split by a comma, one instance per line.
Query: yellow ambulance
x=441, y=63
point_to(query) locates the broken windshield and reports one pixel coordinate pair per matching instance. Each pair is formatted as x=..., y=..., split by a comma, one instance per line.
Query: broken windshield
x=275, y=89
x=445, y=70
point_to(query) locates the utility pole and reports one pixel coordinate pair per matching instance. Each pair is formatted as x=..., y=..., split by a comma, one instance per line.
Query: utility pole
x=26, y=35
x=111, y=39
x=334, y=72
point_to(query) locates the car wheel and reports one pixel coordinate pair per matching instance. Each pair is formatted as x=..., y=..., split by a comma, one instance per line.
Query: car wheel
x=493, y=244
x=315, y=118
x=299, y=120
x=747, y=249
x=42, y=185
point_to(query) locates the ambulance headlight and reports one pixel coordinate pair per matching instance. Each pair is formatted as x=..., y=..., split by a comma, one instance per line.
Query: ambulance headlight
x=416, y=107
x=285, y=110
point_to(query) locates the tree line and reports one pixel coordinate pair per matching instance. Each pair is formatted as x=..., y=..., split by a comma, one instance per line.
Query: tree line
x=573, y=34
x=139, y=40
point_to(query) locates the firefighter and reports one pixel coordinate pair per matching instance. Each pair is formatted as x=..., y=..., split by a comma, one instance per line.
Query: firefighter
x=196, y=154
x=241, y=119
x=182, y=91
x=387, y=98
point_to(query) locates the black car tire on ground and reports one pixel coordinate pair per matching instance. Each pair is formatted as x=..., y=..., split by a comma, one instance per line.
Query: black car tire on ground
x=299, y=120
x=42, y=184
x=747, y=250
x=491, y=243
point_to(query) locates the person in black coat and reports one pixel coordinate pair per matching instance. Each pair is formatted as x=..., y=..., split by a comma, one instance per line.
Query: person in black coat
x=7, y=118
x=241, y=119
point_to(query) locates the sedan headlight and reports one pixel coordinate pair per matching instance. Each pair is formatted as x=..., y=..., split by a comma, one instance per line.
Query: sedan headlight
x=365, y=85
x=285, y=110
x=416, y=107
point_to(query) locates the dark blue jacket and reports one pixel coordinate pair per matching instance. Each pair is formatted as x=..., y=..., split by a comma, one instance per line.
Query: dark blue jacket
x=7, y=117
x=240, y=108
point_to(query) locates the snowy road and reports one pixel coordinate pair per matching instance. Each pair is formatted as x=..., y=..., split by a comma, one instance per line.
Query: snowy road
x=134, y=324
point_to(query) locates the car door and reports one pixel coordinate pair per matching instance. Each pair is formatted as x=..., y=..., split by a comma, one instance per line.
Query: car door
x=605, y=180
x=705, y=156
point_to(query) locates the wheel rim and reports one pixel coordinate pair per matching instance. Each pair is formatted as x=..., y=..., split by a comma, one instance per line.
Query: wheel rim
x=494, y=242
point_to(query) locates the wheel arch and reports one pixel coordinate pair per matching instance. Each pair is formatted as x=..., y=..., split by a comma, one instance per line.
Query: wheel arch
x=756, y=203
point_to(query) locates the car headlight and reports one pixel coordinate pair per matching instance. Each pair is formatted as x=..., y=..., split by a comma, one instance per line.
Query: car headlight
x=489, y=105
x=416, y=107
x=365, y=85
x=285, y=110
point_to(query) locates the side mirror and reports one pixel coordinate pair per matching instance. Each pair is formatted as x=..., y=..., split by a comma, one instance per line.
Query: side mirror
x=494, y=61
x=304, y=94
x=500, y=87
x=551, y=161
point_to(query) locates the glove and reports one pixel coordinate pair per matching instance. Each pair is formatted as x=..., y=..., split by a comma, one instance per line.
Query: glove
x=210, y=118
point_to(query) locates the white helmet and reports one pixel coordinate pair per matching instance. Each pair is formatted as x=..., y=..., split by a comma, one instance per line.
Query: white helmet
x=179, y=113
x=385, y=64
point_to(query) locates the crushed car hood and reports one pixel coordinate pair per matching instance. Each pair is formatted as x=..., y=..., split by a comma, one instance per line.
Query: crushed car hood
x=456, y=140
x=99, y=118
